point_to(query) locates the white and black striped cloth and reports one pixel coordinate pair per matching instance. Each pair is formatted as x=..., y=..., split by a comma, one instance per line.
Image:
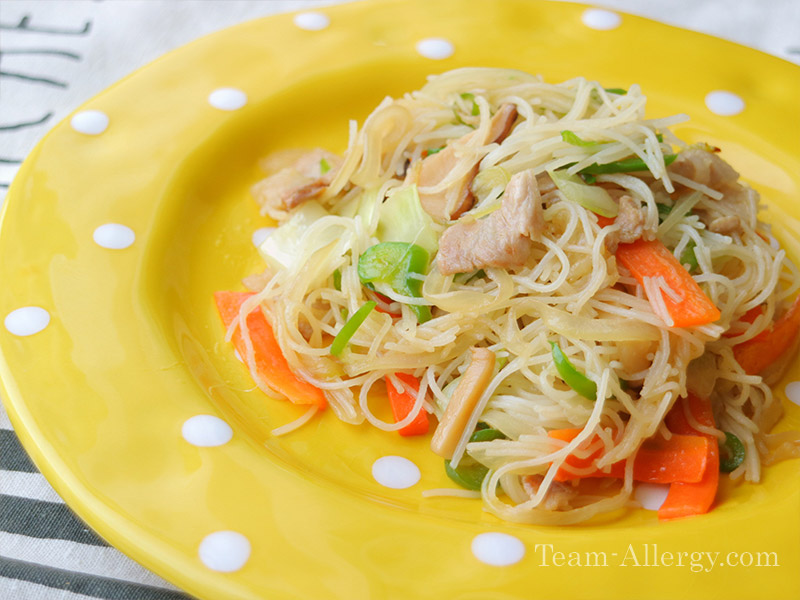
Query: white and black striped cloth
x=46, y=552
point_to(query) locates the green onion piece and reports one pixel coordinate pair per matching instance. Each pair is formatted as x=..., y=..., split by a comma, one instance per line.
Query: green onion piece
x=500, y=362
x=479, y=274
x=625, y=166
x=663, y=211
x=487, y=435
x=434, y=150
x=572, y=138
x=471, y=97
x=350, y=327
x=618, y=91
x=395, y=263
x=588, y=178
x=571, y=376
x=469, y=474
x=659, y=137
x=324, y=166
x=465, y=278
x=337, y=279
x=688, y=257
x=731, y=453
x=494, y=179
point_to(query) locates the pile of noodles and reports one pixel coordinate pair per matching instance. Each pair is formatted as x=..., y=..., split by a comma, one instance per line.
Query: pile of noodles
x=571, y=291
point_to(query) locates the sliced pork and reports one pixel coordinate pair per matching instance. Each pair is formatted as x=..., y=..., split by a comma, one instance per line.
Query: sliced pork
x=503, y=239
x=739, y=204
x=307, y=177
x=456, y=198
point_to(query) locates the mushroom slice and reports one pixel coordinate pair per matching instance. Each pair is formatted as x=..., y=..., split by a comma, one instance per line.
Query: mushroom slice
x=465, y=397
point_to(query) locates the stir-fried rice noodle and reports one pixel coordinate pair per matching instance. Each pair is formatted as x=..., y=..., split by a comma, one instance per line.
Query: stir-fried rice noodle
x=570, y=290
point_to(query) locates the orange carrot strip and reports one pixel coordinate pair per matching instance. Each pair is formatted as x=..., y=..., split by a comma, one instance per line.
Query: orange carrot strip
x=604, y=221
x=681, y=458
x=403, y=402
x=653, y=259
x=758, y=353
x=687, y=499
x=270, y=362
x=567, y=435
x=749, y=317
x=386, y=301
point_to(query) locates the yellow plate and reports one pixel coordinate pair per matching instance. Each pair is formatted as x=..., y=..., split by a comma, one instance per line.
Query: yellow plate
x=133, y=347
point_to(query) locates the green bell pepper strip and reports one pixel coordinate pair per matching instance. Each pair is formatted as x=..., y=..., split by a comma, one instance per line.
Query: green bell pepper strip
x=470, y=473
x=733, y=454
x=394, y=263
x=350, y=327
x=487, y=435
x=624, y=166
x=571, y=376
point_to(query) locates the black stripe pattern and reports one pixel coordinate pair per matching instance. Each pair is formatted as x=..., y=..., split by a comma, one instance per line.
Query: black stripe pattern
x=33, y=79
x=24, y=24
x=45, y=51
x=80, y=583
x=12, y=455
x=26, y=123
x=45, y=520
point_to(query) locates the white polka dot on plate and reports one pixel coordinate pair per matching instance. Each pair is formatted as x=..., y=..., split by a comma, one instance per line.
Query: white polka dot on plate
x=793, y=392
x=27, y=320
x=90, y=122
x=435, y=48
x=724, y=103
x=312, y=21
x=603, y=20
x=227, y=98
x=651, y=495
x=498, y=549
x=260, y=235
x=114, y=236
x=224, y=551
x=206, y=431
x=395, y=472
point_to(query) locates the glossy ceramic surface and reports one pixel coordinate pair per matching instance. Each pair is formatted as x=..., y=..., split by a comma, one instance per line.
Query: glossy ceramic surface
x=133, y=348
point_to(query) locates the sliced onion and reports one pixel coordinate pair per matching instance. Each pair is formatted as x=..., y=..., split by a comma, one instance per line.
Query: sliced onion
x=591, y=197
